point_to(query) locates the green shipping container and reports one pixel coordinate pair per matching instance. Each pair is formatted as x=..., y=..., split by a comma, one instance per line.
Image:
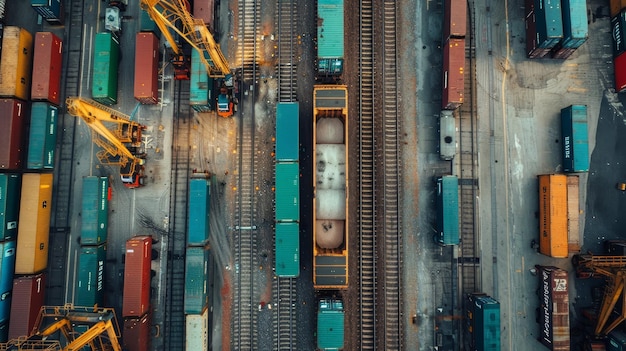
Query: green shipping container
x=90, y=276
x=287, y=249
x=287, y=131
x=483, y=322
x=146, y=24
x=196, y=280
x=330, y=33
x=95, y=211
x=43, y=135
x=330, y=325
x=105, y=66
x=9, y=205
x=287, y=193
x=447, y=211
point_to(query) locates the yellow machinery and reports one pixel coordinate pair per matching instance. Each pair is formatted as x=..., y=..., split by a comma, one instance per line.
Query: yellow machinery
x=613, y=270
x=70, y=328
x=120, y=144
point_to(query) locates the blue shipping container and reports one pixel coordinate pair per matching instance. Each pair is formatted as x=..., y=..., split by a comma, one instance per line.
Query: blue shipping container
x=90, y=276
x=330, y=37
x=287, y=131
x=9, y=205
x=7, y=268
x=575, y=27
x=50, y=10
x=287, y=194
x=447, y=211
x=287, y=243
x=484, y=322
x=549, y=21
x=95, y=211
x=575, y=138
x=201, y=86
x=196, y=280
x=43, y=135
x=199, y=206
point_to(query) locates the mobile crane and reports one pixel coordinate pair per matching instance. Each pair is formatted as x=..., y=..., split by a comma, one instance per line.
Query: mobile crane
x=121, y=146
x=77, y=327
x=167, y=14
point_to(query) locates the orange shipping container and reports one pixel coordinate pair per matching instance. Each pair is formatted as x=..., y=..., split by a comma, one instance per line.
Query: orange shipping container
x=15, y=64
x=553, y=215
x=617, y=6
x=573, y=213
x=34, y=223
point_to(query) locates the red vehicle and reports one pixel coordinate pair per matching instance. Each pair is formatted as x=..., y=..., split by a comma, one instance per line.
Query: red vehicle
x=27, y=299
x=47, y=63
x=136, y=334
x=146, y=67
x=620, y=72
x=136, y=299
x=12, y=119
x=455, y=19
x=453, y=73
x=553, y=316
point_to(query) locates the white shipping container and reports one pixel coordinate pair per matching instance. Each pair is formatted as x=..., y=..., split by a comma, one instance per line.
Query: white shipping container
x=197, y=331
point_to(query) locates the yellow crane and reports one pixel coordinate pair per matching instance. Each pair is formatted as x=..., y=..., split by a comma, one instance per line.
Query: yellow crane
x=120, y=143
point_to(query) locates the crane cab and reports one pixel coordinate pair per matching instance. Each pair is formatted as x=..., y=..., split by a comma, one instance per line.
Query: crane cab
x=225, y=105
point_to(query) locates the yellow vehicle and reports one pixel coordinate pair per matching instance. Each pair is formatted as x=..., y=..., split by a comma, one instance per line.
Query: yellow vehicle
x=621, y=186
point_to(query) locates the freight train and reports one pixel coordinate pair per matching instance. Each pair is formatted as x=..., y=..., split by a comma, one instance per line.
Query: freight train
x=330, y=40
x=447, y=203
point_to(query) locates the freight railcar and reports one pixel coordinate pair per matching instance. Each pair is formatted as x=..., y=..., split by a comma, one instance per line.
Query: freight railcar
x=330, y=39
x=287, y=132
x=197, y=331
x=447, y=135
x=146, y=85
x=553, y=311
x=453, y=73
x=330, y=324
x=196, y=279
x=42, y=138
x=47, y=65
x=95, y=210
x=105, y=68
x=199, y=206
x=482, y=323
x=447, y=203
x=89, y=288
x=136, y=298
x=454, y=19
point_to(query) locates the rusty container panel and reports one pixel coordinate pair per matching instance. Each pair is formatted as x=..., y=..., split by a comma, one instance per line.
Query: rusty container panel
x=47, y=63
x=453, y=73
x=136, y=334
x=553, y=215
x=15, y=63
x=13, y=114
x=136, y=299
x=554, y=308
x=34, y=223
x=27, y=299
x=455, y=19
x=573, y=214
x=146, y=68
x=205, y=11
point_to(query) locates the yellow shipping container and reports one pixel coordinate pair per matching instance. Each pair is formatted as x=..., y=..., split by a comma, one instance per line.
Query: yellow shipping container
x=553, y=215
x=34, y=224
x=16, y=63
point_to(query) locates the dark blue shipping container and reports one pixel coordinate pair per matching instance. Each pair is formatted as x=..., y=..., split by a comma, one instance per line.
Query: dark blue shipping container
x=50, y=10
x=549, y=21
x=10, y=187
x=199, y=200
x=575, y=27
x=575, y=138
x=95, y=211
x=196, y=280
x=43, y=135
x=90, y=276
x=7, y=268
x=618, y=26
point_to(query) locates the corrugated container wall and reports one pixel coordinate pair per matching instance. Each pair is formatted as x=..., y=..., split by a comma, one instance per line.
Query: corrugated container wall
x=28, y=297
x=330, y=325
x=575, y=138
x=10, y=186
x=453, y=73
x=16, y=63
x=146, y=68
x=42, y=136
x=455, y=19
x=7, y=267
x=330, y=37
x=105, y=67
x=553, y=215
x=447, y=211
x=549, y=19
x=196, y=280
x=136, y=299
x=50, y=10
x=287, y=131
x=34, y=223
x=287, y=243
x=13, y=114
x=575, y=27
x=199, y=208
x=287, y=194
x=619, y=65
x=95, y=211
x=201, y=86
x=90, y=276
x=554, y=308
x=136, y=333
x=204, y=10
x=197, y=331
x=47, y=65
x=573, y=214
x=617, y=6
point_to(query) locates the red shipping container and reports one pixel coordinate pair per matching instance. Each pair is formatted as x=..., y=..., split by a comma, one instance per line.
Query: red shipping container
x=136, y=334
x=146, y=68
x=554, y=308
x=532, y=51
x=455, y=19
x=619, y=64
x=27, y=299
x=529, y=8
x=47, y=64
x=136, y=299
x=205, y=11
x=12, y=118
x=453, y=73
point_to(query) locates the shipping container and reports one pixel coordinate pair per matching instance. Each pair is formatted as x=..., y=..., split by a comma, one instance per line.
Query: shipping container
x=331, y=188
x=618, y=29
x=10, y=186
x=89, y=278
x=26, y=301
x=95, y=211
x=16, y=63
x=616, y=341
x=619, y=65
x=47, y=65
x=136, y=299
x=147, y=24
x=199, y=208
x=105, y=67
x=34, y=223
x=196, y=279
x=453, y=73
x=447, y=211
x=482, y=323
x=330, y=325
x=575, y=27
x=4, y=332
x=573, y=214
x=455, y=19
x=553, y=215
x=533, y=51
x=529, y=8
x=136, y=333
x=201, y=85
x=553, y=316
x=615, y=247
x=146, y=68
x=42, y=140
x=561, y=53
x=549, y=20
x=575, y=138
x=287, y=194
x=287, y=241
x=13, y=117
x=50, y=10
x=617, y=6
x=204, y=10
x=7, y=267
x=447, y=135
x=197, y=331
x=330, y=37
x=287, y=131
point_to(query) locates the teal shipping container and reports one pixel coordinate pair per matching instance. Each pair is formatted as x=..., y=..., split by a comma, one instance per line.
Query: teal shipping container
x=105, y=67
x=43, y=135
x=147, y=24
x=10, y=186
x=330, y=325
x=199, y=206
x=90, y=276
x=4, y=332
x=483, y=323
x=196, y=279
x=287, y=131
x=616, y=341
x=575, y=138
x=95, y=211
x=330, y=37
x=287, y=194
x=287, y=243
x=549, y=20
x=7, y=269
x=575, y=25
x=447, y=211
x=201, y=86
